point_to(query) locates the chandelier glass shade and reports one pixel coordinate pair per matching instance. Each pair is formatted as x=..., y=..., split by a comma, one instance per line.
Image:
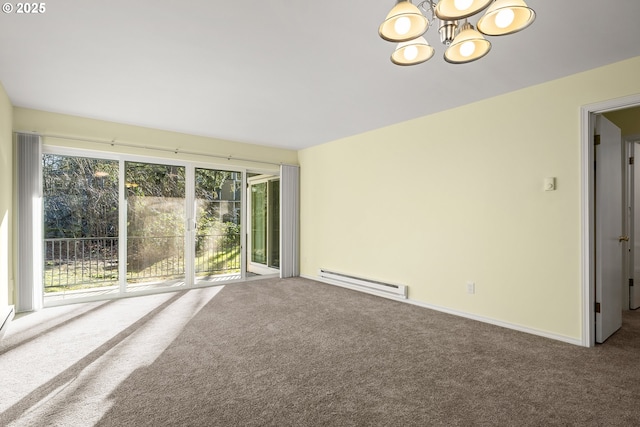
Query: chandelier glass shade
x=412, y=52
x=406, y=24
x=506, y=17
x=469, y=45
x=451, y=10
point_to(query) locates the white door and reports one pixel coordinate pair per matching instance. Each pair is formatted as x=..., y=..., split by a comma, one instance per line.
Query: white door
x=634, y=291
x=609, y=226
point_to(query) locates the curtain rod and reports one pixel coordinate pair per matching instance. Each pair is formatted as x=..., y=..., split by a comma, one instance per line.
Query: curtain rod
x=113, y=143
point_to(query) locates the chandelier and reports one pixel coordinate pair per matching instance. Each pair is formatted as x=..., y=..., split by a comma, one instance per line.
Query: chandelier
x=406, y=23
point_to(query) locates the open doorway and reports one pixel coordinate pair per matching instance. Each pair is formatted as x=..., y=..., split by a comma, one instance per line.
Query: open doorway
x=608, y=233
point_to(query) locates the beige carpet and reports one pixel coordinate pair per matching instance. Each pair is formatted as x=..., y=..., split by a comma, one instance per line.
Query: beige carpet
x=296, y=352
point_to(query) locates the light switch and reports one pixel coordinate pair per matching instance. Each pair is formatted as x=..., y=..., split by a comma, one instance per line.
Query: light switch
x=549, y=184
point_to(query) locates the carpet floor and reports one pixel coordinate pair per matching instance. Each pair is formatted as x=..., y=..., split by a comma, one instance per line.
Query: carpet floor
x=295, y=352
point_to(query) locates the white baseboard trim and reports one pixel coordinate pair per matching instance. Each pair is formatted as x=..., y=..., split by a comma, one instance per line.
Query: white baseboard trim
x=500, y=323
x=466, y=315
x=6, y=315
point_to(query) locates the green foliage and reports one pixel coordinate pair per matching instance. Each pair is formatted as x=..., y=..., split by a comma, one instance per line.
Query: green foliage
x=80, y=197
x=231, y=233
x=153, y=180
x=217, y=185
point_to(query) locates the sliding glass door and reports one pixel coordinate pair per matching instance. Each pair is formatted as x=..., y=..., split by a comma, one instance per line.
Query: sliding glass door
x=122, y=225
x=81, y=227
x=218, y=213
x=156, y=217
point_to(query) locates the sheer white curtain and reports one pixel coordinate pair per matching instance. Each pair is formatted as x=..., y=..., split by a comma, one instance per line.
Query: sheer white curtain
x=289, y=221
x=28, y=150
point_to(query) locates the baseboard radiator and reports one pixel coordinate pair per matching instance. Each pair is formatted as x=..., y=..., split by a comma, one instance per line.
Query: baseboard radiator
x=365, y=285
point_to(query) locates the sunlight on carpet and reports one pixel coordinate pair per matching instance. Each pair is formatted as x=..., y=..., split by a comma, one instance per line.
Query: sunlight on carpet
x=104, y=343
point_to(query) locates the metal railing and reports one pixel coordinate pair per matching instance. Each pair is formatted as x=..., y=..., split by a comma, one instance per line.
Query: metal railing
x=88, y=262
x=155, y=257
x=217, y=254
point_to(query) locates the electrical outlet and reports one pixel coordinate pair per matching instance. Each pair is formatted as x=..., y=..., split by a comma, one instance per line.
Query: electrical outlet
x=471, y=288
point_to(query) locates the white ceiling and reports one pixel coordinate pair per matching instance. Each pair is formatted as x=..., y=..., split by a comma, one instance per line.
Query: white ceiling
x=282, y=73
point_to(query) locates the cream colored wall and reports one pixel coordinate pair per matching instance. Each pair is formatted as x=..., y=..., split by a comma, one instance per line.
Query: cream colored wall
x=6, y=201
x=79, y=128
x=458, y=196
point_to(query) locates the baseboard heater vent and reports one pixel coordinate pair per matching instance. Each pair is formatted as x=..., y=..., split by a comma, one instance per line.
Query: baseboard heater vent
x=365, y=285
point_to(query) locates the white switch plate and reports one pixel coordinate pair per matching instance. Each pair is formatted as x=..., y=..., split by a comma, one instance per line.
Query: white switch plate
x=549, y=184
x=471, y=288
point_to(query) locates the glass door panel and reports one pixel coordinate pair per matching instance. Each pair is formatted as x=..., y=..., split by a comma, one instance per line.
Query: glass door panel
x=259, y=223
x=81, y=233
x=218, y=208
x=155, y=225
x=264, y=224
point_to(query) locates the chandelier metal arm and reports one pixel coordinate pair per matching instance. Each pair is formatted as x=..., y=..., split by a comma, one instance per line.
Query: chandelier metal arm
x=429, y=9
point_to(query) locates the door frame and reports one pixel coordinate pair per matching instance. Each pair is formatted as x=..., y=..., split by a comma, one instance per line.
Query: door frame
x=587, y=183
x=633, y=226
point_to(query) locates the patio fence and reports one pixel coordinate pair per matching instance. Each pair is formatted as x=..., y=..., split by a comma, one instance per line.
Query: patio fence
x=88, y=262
